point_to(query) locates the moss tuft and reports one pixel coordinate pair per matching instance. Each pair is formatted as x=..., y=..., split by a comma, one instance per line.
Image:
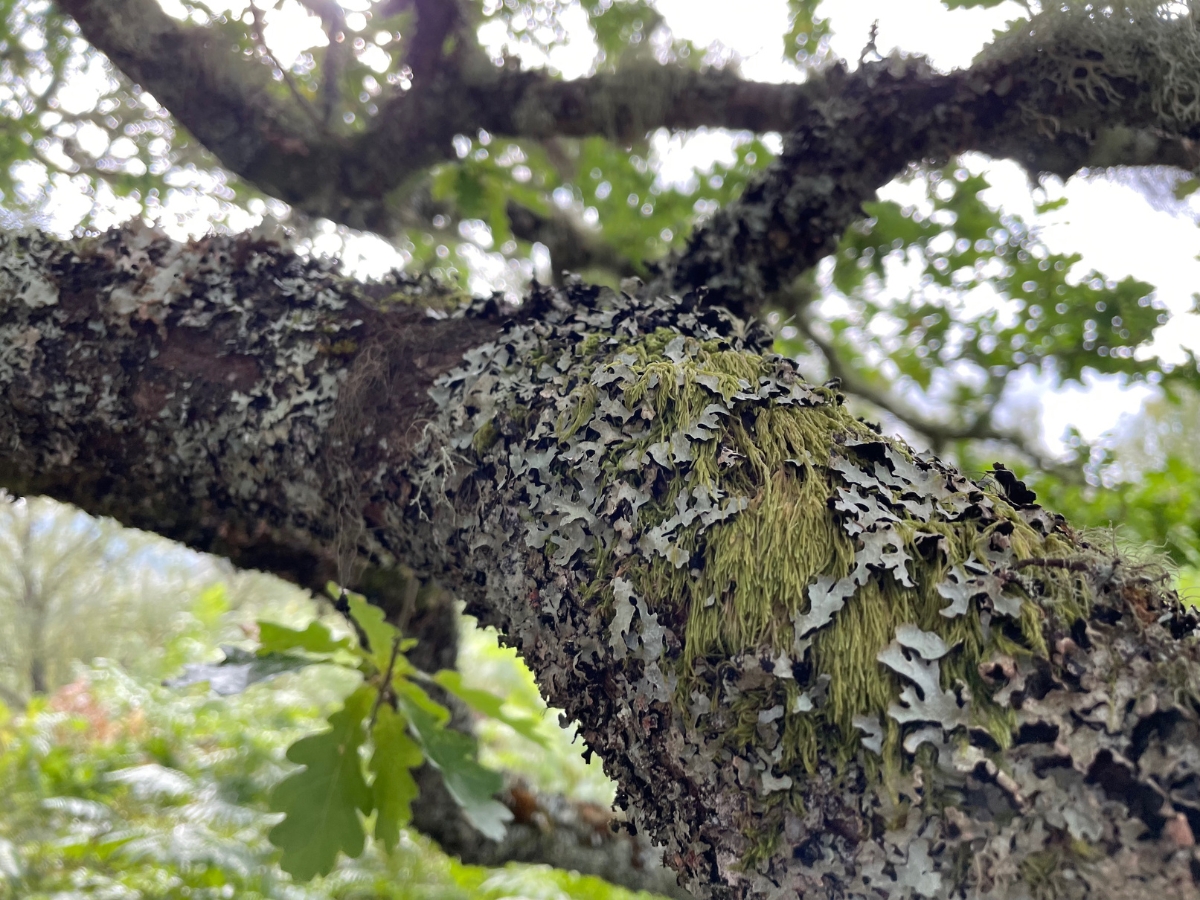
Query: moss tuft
x=739, y=584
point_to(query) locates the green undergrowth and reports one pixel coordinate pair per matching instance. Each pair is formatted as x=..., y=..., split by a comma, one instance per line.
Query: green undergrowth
x=747, y=577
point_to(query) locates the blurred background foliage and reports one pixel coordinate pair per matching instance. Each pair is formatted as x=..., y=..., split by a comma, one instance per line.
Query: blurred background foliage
x=113, y=785
x=945, y=318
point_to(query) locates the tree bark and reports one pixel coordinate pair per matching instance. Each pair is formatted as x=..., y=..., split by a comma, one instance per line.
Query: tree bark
x=813, y=661
x=851, y=132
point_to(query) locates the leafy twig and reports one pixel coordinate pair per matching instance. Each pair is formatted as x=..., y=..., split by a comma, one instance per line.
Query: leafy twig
x=385, y=689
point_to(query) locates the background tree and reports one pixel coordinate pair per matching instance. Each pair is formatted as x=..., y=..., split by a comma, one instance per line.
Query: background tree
x=1067, y=89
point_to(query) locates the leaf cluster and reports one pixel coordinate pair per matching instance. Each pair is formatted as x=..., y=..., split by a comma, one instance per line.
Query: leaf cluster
x=357, y=775
x=115, y=786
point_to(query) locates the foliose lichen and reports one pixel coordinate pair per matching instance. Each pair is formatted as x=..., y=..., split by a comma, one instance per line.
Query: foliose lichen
x=784, y=608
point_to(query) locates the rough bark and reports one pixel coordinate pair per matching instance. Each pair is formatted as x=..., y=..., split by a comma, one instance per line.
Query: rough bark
x=813, y=661
x=194, y=394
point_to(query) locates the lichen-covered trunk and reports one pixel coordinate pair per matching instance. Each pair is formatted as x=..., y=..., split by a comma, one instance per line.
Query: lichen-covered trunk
x=815, y=662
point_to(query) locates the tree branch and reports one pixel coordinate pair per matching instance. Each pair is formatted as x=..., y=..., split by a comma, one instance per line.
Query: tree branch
x=980, y=427
x=836, y=157
x=437, y=20
x=807, y=655
x=225, y=100
x=891, y=113
x=548, y=830
x=572, y=248
x=231, y=106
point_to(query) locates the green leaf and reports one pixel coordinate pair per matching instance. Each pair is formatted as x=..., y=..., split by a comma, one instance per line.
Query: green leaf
x=970, y=4
x=805, y=30
x=489, y=705
x=394, y=789
x=238, y=670
x=615, y=24
x=1186, y=187
x=211, y=605
x=381, y=636
x=1050, y=205
x=415, y=694
x=321, y=802
x=470, y=784
x=275, y=638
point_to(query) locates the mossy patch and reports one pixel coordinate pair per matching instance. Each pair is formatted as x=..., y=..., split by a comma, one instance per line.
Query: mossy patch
x=803, y=651
x=739, y=584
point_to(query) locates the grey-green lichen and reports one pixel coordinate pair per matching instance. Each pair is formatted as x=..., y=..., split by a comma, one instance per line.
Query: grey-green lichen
x=816, y=662
x=1143, y=51
x=696, y=481
x=751, y=595
x=195, y=384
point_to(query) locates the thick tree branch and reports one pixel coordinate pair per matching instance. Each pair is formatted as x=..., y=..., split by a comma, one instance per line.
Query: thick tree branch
x=572, y=248
x=228, y=102
x=1021, y=105
x=231, y=106
x=1009, y=106
x=437, y=20
x=814, y=662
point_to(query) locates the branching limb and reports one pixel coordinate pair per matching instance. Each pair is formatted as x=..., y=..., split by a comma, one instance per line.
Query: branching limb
x=572, y=248
x=980, y=426
x=258, y=36
x=550, y=830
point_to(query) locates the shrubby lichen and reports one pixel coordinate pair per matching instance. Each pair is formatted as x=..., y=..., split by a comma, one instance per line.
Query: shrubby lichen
x=1143, y=51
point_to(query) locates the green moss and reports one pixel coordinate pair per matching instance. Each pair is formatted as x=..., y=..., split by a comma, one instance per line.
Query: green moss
x=747, y=577
x=580, y=412
x=485, y=437
x=711, y=488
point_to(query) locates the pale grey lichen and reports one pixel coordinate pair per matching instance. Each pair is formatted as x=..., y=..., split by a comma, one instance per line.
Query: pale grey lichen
x=815, y=661
x=1137, y=51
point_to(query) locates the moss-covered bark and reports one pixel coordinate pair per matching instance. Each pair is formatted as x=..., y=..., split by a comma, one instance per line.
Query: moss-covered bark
x=814, y=661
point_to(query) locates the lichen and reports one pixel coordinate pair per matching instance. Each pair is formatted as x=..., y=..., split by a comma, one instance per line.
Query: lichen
x=907, y=683
x=1139, y=51
x=766, y=565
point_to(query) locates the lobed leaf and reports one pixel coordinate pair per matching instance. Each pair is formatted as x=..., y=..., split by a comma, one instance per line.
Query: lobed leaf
x=471, y=785
x=238, y=670
x=322, y=801
x=393, y=789
x=490, y=705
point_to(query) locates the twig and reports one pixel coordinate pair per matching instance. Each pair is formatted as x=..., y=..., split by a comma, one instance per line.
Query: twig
x=385, y=689
x=259, y=38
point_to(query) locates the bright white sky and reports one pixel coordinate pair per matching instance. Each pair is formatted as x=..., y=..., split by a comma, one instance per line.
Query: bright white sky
x=1118, y=232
